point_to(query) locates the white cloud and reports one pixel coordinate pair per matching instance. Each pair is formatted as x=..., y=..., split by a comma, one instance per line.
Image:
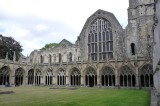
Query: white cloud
x=36, y=22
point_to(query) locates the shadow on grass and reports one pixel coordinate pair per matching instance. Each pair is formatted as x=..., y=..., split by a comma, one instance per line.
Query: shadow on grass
x=6, y=92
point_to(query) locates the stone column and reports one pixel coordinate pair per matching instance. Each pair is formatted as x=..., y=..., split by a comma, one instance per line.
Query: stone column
x=117, y=78
x=66, y=80
x=98, y=78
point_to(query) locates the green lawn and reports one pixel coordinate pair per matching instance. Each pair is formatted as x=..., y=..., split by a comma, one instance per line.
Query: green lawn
x=43, y=96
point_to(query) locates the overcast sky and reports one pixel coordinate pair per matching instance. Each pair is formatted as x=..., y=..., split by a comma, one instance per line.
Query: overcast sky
x=35, y=23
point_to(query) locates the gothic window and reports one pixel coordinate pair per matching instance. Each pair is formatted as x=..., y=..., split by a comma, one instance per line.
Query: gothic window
x=100, y=28
x=132, y=48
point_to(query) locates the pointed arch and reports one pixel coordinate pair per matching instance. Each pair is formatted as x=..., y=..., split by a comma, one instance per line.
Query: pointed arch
x=90, y=77
x=19, y=76
x=127, y=77
x=61, y=77
x=4, y=75
x=75, y=77
x=48, y=77
x=146, y=76
x=108, y=77
x=31, y=77
x=38, y=75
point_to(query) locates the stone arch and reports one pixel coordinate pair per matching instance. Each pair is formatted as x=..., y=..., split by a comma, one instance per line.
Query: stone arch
x=61, y=77
x=133, y=49
x=5, y=75
x=75, y=77
x=108, y=76
x=19, y=76
x=38, y=75
x=90, y=77
x=146, y=76
x=48, y=77
x=127, y=77
x=31, y=77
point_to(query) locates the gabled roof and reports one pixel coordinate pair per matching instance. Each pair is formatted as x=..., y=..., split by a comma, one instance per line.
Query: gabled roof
x=64, y=42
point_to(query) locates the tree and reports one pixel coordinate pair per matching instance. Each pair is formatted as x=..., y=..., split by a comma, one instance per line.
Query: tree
x=9, y=45
x=47, y=46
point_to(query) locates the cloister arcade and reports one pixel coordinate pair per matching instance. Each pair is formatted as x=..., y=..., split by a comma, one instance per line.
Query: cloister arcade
x=106, y=77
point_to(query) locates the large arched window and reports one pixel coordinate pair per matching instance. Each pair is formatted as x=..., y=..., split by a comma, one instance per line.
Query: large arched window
x=100, y=40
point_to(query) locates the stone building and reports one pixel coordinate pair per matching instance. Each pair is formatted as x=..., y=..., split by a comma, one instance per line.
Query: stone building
x=104, y=54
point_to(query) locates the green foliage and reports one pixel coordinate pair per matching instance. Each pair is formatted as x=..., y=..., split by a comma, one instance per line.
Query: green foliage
x=47, y=46
x=43, y=96
x=9, y=45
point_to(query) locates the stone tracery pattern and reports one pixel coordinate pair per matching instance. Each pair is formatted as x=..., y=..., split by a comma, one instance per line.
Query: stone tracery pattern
x=100, y=40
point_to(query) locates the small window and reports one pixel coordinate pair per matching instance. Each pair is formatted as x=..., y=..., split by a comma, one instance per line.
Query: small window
x=60, y=57
x=132, y=48
x=41, y=58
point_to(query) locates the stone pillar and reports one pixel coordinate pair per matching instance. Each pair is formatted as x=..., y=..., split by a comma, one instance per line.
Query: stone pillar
x=54, y=79
x=137, y=78
x=82, y=80
x=66, y=80
x=117, y=78
x=42, y=80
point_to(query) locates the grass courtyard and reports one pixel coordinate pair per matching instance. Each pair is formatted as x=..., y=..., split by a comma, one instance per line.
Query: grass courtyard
x=44, y=96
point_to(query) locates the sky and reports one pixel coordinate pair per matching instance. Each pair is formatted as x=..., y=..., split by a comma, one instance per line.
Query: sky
x=35, y=23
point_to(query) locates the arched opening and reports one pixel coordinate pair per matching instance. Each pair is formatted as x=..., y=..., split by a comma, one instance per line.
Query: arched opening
x=100, y=40
x=19, y=76
x=108, y=77
x=61, y=78
x=41, y=59
x=133, y=49
x=146, y=76
x=49, y=77
x=127, y=77
x=91, y=77
x=38, y=77
x=31, y=77
x=4, y=76
x=70, y=57
x=75, y=77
